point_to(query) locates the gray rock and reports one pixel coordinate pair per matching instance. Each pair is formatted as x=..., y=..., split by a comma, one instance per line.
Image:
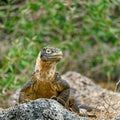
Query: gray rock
x=117, y=118
x=40, y=109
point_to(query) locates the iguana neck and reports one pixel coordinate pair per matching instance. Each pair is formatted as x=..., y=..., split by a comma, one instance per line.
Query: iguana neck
x=45, y=70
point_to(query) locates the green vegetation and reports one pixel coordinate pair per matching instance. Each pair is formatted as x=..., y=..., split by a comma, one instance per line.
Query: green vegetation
x=88, y=32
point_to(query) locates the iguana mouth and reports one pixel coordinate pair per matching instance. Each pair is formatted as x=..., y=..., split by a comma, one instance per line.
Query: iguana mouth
x=55, y=56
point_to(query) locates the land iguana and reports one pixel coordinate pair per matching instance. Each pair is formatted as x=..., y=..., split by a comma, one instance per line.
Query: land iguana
x=46, y=82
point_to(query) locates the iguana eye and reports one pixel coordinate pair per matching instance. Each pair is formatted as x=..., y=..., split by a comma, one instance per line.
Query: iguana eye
x=48, y=51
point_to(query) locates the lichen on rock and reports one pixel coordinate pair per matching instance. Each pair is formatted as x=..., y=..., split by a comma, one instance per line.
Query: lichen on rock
x=40, y=109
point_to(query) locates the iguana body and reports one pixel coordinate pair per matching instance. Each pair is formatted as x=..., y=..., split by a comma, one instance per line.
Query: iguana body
x=47, y=83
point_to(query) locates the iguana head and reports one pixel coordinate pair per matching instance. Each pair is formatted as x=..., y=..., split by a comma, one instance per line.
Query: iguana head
x=47, y=60
x=50, y=54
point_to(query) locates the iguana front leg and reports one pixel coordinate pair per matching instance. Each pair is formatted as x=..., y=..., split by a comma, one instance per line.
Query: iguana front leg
x=63, y=89
x=26, y=91
x=23, y=98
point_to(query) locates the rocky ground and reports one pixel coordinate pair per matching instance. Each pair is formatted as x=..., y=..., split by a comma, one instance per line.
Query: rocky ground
x=91, y=94
x=108, y=102
x=40, y=109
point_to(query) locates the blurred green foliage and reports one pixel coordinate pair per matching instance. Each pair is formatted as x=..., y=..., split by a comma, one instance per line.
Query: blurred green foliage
x=88, y=32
